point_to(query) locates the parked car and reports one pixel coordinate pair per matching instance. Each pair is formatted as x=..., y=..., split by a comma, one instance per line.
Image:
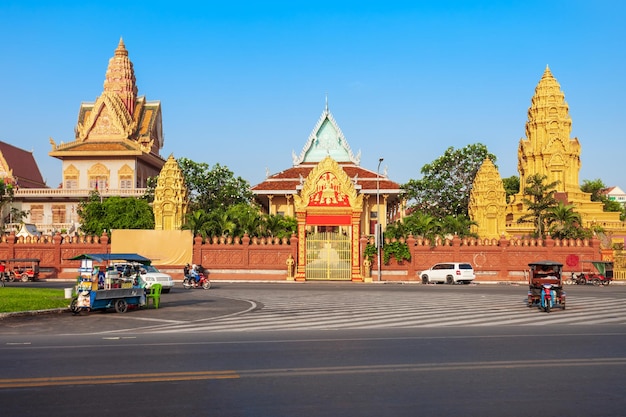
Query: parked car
x=449, y=272
x=154, y=276
x=149, y=273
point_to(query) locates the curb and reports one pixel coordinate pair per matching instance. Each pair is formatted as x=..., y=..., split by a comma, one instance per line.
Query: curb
x=34, y=312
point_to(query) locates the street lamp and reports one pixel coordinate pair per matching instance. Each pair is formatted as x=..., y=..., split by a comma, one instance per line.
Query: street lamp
x=378, y=242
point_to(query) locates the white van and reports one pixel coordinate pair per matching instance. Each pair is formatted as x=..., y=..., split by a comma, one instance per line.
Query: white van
x=449, y=272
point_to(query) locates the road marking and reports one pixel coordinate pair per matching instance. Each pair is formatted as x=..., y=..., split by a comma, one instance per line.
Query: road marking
x=290, y=372
x=115, y=379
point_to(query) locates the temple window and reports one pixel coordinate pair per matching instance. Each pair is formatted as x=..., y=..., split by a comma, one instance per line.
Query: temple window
x=126, y=182
x=98, y=182
x=71, y=182
x=70, y=177
x=58, y=213
x=36, y=213
x=126, y=177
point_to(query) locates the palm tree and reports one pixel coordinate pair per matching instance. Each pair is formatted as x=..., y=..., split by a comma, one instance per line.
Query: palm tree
x=539, y=201
x=457, y=225
x=219, y=224
x=196, y=222
x=279, y=226
x=422, y=224
x=246, y=218
x=564, y=222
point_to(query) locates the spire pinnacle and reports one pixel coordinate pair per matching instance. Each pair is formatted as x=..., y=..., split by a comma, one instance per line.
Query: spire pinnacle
x=121, y=48
x=120, y=77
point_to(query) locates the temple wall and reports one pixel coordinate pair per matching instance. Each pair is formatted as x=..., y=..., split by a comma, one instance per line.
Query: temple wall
x=495, y=260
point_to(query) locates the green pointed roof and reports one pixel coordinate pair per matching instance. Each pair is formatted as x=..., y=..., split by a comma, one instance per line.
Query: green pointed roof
x=326, y=139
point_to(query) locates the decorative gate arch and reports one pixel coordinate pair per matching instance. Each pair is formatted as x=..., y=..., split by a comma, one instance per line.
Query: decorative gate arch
x=328, y=210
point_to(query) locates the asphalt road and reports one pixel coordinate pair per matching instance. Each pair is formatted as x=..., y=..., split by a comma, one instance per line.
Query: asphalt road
x=172, y=361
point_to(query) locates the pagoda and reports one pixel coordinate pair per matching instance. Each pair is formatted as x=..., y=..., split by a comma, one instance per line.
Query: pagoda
x=117, y=137
x=335, y=201
x=170, y=197
x=547, y=150
x=487, y=203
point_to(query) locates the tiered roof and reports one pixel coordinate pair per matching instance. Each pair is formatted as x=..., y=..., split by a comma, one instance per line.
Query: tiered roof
x=326, y=139
x=119, y=122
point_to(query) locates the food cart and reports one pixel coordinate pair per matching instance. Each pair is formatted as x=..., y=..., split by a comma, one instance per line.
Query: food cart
x=99, y=290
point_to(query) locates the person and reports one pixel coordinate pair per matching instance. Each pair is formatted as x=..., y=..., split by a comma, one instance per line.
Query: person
x=2, y=270
x=186, y=271
x=139, y=282
x=194, y=273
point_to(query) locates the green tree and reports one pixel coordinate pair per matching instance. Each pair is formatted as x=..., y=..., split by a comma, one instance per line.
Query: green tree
x=196, y=221
x=422, y=224
x=6, y=197
x=279, y=226
x=596, y=188
x=593, y=187
x=247, y=219
x=565, y=223
x=457, y=225
x=511, y=185
x=213, y=188
x=445, y=186
x=98, y=215
x=539, y=199
x=219, y=223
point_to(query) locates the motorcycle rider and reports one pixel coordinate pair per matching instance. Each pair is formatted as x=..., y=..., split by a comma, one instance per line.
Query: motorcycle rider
x=186, y=271
x=194, y=273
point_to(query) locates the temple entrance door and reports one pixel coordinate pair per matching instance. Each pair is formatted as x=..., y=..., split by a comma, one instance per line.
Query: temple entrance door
x=328, y=253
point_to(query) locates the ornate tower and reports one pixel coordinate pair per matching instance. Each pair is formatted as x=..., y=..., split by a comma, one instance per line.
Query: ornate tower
x=487, y=205
x=547, y=148
x=170, y=197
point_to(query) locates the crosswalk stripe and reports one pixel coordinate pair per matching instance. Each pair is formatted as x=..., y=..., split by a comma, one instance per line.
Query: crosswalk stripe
x=406, y=310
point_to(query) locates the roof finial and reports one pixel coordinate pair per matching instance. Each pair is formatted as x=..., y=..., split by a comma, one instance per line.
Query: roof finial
x=327, y=102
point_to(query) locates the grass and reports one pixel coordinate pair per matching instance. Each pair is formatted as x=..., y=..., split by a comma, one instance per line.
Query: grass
x=27, y=299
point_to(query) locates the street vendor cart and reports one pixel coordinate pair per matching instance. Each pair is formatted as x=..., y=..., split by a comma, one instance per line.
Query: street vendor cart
x=93, y=292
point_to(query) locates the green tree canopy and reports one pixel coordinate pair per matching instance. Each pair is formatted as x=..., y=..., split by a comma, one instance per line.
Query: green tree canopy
x=213, y=188
x=6, y=196
x=596, y=188
x=511, y=186
x=98, y=215
x=238, y=220
x=445, y=186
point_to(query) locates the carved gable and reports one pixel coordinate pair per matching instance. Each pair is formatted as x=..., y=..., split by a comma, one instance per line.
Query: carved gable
x=327, y=185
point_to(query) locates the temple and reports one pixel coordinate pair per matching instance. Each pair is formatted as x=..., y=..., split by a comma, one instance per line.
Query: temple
x=118, y=137
x=546, y=150
x=115, y=150
x=334, y=200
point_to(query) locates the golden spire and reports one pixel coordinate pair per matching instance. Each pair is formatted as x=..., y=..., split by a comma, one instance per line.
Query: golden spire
x=120, y=78
x=548, y=148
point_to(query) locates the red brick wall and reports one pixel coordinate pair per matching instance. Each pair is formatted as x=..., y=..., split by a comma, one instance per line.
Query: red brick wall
x=265, y=259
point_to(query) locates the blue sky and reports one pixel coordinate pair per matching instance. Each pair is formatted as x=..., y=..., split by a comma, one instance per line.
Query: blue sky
x=243, y=84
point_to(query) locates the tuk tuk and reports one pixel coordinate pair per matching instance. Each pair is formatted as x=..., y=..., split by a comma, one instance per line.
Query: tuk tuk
x=603, y=274
x=24, y=269
x=545, y=285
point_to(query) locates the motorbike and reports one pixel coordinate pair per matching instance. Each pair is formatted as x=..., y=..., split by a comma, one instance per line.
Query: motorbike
x=545, y=289
x=203, y=282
